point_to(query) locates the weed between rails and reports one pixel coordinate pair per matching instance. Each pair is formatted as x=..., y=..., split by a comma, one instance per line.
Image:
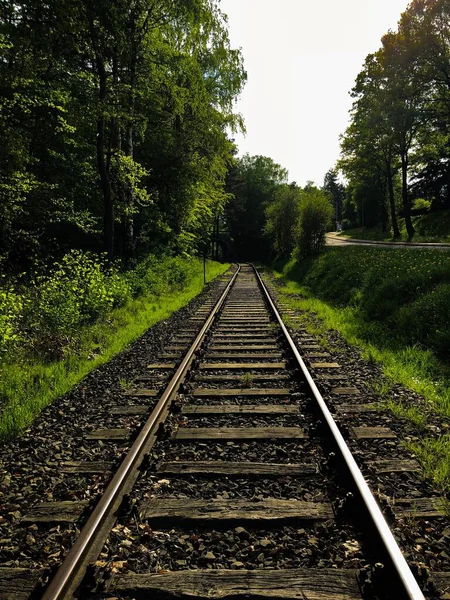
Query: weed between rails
x=28, y=385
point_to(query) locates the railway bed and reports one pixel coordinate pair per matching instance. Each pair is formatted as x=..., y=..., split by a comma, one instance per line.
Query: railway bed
x=235, y=485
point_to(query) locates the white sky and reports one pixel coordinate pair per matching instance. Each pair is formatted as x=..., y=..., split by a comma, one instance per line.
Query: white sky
x=302, y=58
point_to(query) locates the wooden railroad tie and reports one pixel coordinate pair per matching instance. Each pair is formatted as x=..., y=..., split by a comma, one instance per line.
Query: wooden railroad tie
x=346, y=391
x=220, y=584
x=242, y=346
x=56, y=512
x=129, y=410
x=262, y=512
x=111, y=435
x=249, y=409
x=89, y=467
x=250, y=354
x=232, y=392
x=243, y=365
x=228, y=469
x=239, y=433
x=418, y=508
x=142, y=392
x=357, y=408
x=237, y=378
x=394, y=465
x=373, y=433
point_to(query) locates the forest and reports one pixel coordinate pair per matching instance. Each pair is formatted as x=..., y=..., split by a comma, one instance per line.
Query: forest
x=115, y=122
x=119, y=169
x=396, y=149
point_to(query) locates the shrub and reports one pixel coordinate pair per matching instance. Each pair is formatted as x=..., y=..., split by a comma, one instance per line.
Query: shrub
x=314, y=221
x=11, y=308
x=80, y=290
x=426, y=320
x=421, y=204
x=406, y=291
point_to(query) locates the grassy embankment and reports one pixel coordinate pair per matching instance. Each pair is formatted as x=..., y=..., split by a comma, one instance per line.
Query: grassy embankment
x=432, y=227
x=37, y=368
x=395, y=305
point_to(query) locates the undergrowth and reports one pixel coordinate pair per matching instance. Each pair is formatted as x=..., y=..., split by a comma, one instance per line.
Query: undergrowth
x=77, y=318
x=430, y=227
x=392, y=305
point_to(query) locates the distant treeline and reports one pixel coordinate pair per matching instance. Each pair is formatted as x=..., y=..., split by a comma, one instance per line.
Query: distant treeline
x=270, y=218
x=113, y=126
x=396, y=150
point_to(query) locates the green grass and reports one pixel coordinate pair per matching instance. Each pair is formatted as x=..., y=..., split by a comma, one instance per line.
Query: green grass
x=367, y=233
x=337, y=290
x=27, y=387
x=434, y=456
x=431, y=227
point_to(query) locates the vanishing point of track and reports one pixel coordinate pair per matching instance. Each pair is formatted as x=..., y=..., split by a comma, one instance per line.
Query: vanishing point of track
x=242, y=346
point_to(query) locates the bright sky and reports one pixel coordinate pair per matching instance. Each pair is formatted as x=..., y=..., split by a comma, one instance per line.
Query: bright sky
x=302, y=58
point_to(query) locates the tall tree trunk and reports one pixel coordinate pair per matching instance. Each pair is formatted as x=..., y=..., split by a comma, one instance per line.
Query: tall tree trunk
x=392, y=201
x=103, y=163
x=383, y=216
x=405, y=200
x=129, y=148
x=116, y=133
x=105, y=181
x=129, y=198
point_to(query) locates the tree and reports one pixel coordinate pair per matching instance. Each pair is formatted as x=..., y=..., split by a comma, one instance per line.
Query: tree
x=336, y=191
x=369, y=157
x=315, y=216
x=425, y=26
x=404, y=98
x=252, y=183
x=282, y=219
x=114, y=123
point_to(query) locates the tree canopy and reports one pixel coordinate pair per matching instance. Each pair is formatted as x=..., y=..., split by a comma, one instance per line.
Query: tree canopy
x=397, y=146
x=114, y=124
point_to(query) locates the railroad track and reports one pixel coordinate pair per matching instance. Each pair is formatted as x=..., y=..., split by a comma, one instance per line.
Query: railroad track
x=239, y=482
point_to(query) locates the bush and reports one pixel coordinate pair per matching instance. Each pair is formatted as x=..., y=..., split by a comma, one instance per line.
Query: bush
x=427, y=320
x=314, y=221
x=420, y=204
x=82, y=289
x=405, y=291
x=155, y=275
x=11, y=307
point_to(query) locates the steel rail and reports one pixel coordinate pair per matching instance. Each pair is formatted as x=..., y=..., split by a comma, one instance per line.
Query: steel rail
x=401, y=567
x=69, y=569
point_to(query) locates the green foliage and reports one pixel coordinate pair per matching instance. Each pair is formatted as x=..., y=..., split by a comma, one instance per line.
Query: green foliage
x=113, y=121
x=414, y=366
x=407, y=292
x=314, y=221
x=47, y=318
x=434, y=456
x=421, y=204
x=11, y=310
x=252, y=184
x=282, y=219
x=30, y=380
x=396, y=150
x=430, y=227
x=336, y=191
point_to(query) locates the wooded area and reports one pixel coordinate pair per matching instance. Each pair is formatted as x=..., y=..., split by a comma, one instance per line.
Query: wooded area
x=396, y=150
x=115, y=122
